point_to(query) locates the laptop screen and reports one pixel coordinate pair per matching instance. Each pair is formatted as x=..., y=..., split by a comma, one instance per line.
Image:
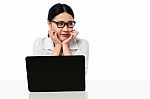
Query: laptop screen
x=55, y=73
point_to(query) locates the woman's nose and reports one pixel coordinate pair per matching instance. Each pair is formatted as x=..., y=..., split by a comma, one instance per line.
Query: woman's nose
x=65, y=28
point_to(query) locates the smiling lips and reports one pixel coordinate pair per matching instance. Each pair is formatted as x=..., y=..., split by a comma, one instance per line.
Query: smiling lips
x=65, y=35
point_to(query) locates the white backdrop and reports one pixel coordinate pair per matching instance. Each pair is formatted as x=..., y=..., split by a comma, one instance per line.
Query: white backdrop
x=118, y=32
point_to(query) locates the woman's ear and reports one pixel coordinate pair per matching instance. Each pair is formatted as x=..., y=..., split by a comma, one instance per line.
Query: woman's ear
x=49, y=24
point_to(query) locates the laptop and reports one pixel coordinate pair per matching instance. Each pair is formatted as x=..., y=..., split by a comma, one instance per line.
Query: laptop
x=55, y=73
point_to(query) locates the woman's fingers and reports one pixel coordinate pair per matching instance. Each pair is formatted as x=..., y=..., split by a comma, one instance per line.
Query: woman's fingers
x=55, y=34
x=71, y=36
x=50, y=33
x=75, y=33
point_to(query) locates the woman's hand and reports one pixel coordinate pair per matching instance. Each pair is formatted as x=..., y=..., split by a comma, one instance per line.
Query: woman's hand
x=65, y=43
x=72, y=36
x=54, y=37
x=57, y=43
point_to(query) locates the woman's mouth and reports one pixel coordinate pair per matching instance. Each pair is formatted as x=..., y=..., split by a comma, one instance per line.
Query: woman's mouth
x=65, y=35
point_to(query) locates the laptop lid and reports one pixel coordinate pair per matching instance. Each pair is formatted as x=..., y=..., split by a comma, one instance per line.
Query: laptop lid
x=55, y=73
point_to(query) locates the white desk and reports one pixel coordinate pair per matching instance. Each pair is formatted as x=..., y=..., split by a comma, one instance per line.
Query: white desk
x=102, y=89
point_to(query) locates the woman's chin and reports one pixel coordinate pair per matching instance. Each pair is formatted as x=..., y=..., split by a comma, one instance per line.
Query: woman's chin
x=63, y=38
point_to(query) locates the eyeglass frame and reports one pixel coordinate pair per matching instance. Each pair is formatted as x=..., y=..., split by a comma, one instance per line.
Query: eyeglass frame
x=65, y=24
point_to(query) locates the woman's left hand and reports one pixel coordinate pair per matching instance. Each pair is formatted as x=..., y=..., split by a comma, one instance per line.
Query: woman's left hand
x=72, y=36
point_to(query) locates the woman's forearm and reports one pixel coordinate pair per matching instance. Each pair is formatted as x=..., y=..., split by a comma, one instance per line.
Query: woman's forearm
x=66, y=50
x=57, y=50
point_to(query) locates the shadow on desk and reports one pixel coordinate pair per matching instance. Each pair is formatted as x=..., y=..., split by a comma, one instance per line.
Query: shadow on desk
x=59, y=95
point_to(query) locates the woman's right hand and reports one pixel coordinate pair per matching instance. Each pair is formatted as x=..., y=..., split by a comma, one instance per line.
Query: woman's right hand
x=54, y=37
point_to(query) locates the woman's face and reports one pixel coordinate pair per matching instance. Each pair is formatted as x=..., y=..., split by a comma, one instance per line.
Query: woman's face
x=57, y=25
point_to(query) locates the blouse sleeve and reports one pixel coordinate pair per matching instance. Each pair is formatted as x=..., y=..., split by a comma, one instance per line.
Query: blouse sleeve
x=37, y=47
x=84, y=50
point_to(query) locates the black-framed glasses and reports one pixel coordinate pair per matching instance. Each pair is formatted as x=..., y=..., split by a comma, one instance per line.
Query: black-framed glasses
x=61, y=24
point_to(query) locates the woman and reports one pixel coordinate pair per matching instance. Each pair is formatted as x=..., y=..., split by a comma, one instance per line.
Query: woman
x=61, y=38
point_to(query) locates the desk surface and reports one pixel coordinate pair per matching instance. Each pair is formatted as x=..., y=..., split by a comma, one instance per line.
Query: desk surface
x=95, y=89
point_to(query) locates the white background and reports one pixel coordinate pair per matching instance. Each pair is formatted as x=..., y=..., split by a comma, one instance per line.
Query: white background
x=118, y=32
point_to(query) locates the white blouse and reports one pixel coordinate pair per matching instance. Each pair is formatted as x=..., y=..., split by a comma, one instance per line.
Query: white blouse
x=45, y=46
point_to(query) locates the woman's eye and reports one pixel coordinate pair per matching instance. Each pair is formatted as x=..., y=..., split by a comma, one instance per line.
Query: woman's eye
x=70, y=23
x=60, y=23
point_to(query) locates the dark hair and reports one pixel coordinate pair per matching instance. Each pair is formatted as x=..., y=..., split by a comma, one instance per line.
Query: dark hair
x=57, y=9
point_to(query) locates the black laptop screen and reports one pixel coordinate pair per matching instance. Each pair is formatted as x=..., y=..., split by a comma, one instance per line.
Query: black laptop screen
x=55, y=73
